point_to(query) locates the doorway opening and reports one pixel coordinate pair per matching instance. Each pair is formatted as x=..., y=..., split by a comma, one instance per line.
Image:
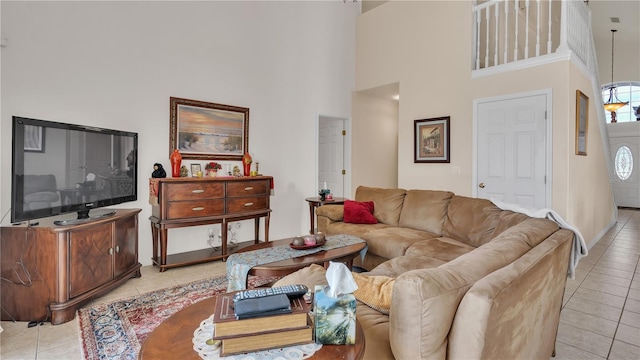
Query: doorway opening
x=332, y=165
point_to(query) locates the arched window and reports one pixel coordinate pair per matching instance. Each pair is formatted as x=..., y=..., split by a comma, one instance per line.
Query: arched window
x=627, y=91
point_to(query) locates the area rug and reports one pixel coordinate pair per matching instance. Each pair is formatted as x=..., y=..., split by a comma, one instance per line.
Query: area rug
x=115, y=330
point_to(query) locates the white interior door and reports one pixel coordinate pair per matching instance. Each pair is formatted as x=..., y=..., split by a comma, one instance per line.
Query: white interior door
x=331, y=154
x=512, y=150
x=76, y=167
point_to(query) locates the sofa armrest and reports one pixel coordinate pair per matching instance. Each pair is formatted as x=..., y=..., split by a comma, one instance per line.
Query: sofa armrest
x=422, y=311
x=520, y=302
x=329, y=214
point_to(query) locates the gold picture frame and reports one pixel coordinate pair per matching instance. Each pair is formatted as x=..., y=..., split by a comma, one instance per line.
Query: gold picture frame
x=208, y=131
x=582, y=122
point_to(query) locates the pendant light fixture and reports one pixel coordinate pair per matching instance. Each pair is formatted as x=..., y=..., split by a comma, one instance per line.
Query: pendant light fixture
x=613, y=104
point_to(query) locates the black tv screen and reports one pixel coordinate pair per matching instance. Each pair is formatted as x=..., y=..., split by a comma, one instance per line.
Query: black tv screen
x=61, y=168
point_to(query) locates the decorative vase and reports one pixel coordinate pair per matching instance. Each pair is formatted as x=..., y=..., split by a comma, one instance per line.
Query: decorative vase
x=246, y=163
x=213, y=173
x=176, y=161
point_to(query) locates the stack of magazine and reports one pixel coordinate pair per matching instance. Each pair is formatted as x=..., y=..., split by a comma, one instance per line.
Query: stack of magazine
x=261, y=323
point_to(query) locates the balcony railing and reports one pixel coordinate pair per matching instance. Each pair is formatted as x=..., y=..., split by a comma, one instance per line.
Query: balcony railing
x=525, y=32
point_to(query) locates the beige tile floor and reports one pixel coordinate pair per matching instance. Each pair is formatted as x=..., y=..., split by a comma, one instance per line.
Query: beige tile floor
x=600, y=318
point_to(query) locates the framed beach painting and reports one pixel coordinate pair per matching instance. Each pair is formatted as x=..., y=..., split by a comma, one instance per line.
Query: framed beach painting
x=431, y=140
x=203, y=130
x=582, y=122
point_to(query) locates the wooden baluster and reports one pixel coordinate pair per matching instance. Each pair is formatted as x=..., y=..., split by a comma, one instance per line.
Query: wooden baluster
x=496, y=45
x=515, y=48
x=506, y=32
x=537, y=27
x=486, y=54
x=478, y=20
x=549, y=30
x=526, y=30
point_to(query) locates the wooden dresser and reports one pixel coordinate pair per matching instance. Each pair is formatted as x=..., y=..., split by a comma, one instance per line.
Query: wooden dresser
x=182, y=202
x=49, y=271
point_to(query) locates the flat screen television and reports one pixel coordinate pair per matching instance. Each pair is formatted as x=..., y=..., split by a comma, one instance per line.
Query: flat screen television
x=60, y=168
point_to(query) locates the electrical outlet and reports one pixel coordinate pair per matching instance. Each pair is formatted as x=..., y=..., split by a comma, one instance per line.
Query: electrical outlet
x=455, y=170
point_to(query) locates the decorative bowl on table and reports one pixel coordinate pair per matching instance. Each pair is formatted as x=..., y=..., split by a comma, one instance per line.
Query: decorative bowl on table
x=308, y=241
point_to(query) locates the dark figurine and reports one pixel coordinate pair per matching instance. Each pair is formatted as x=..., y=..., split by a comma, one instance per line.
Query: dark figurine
x=158, y=171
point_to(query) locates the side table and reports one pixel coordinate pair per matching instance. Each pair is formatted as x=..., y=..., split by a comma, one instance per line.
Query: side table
x=314, y=202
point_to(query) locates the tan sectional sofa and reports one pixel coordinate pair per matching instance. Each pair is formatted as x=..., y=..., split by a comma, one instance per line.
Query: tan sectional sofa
x=471, y=281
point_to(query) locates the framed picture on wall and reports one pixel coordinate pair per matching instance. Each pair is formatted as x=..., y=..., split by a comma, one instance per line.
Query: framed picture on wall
x=582, y=122
x=431, y=140
x=203, y=130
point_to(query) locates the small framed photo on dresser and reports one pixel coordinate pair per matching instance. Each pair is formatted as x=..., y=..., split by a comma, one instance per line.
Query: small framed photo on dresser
x=196, y=170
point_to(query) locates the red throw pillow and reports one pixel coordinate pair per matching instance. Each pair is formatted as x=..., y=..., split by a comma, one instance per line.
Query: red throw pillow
x=359, y=212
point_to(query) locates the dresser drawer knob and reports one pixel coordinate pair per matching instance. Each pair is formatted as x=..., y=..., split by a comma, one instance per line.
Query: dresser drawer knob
x=198, y=191
x=248, y=188
x=248, y=204
x=199, y=208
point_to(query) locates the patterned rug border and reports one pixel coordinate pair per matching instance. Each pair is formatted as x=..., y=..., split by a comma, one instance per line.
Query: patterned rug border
x=116, y=329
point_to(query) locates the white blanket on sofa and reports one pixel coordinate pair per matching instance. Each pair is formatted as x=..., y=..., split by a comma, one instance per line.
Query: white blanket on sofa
x=579, y=248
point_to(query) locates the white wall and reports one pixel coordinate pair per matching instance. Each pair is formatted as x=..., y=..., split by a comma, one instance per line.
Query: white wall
x=115, y=65
x=403, y=42
x=374, y=155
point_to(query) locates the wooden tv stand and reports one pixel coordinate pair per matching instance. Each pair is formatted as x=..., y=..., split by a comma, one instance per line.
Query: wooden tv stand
x=182, y=202
x=52, y=270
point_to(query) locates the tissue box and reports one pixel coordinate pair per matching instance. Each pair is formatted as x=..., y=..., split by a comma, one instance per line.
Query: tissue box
x=335, y=321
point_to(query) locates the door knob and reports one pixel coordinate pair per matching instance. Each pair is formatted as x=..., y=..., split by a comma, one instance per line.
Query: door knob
x=481, y=185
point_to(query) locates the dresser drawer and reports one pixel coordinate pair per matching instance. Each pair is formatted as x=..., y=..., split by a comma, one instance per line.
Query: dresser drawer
x=193, y=191
x=193, y=209
x=244, y=188
x=244, y=204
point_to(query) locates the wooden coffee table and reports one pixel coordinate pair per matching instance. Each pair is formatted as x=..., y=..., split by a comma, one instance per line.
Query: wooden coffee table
x=172, y=339
x=344, y=254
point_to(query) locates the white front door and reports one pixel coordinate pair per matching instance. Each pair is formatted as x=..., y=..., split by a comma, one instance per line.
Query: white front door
x=331, y=154
x=624, y=139
x=512, y=150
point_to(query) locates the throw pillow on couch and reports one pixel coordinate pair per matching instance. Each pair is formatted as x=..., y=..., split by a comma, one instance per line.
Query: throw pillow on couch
x=359, y=212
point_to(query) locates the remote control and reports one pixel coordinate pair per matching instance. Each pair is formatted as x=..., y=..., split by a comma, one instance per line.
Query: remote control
x=292, y=291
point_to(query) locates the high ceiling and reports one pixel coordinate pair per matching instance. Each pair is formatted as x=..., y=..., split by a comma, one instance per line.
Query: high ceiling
x=627, y=38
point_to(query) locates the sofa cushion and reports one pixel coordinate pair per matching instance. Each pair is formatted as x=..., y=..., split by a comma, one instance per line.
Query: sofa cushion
x=391, y=242
x=387, y=202
x=471, y=220
x=441, y=248
x=359, y=212
x=374, y=291
x=358, y=230
x=425, y=210
x=398, y=266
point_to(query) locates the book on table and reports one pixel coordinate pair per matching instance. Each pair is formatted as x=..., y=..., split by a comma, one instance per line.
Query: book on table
x=267, y=340
x=226, y=324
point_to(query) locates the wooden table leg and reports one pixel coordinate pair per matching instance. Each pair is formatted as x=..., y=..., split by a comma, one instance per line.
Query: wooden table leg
x=266, y=227
x=224, y=231
x=312, y=220
x=154, y=242
x=163, y=249
x=256, y=230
